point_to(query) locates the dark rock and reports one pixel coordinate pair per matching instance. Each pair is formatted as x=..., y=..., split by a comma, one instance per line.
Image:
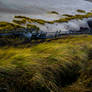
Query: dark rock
x=84, y=30
x=90, y=23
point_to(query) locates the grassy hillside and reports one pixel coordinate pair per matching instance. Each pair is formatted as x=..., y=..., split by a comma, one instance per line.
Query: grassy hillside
x=60, y=65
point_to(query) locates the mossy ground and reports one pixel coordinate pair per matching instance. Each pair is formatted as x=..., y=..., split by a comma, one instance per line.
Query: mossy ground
x=59, y=65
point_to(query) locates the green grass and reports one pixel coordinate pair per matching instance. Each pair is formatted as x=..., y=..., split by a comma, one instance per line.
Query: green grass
x=58, y=65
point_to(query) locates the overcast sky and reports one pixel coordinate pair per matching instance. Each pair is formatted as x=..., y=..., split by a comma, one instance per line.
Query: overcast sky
x=28, y=3
x=23, y=5
x=42, y=5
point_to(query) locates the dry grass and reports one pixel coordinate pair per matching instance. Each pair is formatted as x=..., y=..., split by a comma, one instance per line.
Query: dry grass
x=55, y=66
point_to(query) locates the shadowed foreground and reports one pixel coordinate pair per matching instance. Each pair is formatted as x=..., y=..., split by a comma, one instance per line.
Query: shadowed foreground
x=61, y=65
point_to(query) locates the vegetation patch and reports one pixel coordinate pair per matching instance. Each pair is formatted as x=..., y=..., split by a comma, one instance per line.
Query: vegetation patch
x=59, y=65
x=77, y=16
x=19, y=16
x=20, y=22
x=81, y=11
x=7, y=27
x=67, y=15
x=66, y=19
x=32, y=27
x=40, y=21
x=53, y=12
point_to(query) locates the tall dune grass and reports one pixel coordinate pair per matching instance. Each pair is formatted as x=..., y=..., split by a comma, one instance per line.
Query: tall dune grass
x=61, y=65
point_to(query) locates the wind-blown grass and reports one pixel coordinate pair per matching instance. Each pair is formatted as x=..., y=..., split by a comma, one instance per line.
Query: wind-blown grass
x=53, y=66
